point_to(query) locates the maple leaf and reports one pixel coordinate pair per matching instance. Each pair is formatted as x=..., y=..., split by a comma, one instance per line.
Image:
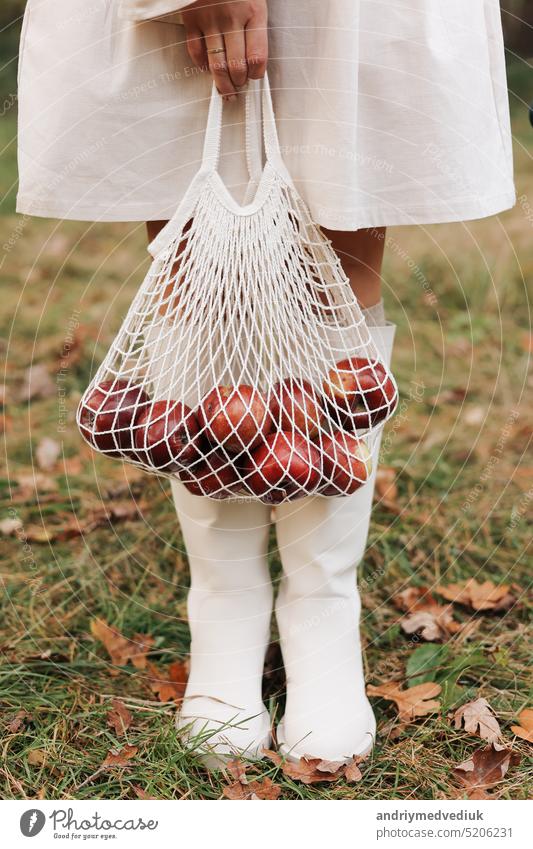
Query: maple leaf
x=486, y=768
x=485, y=596
x=525, y=729
x=411, y=598
x=413, y=702
x=265, y=789
x=119, y=757
x=168, y=685
x=478, y=719
x=119, y=718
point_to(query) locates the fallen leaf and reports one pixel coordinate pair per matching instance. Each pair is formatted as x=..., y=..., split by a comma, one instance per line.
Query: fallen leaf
x=413, y=702
x=72, y=465
x=237, y=770
x=121, y=649
x=37, y=757
x=410, y=598
x=433, y=621
x=142, y=794
x=478, y=718
x=170, y=685
x=434, y=624
x=386, y=488
x=46, y=453
x=485, y=596
x=306, y=769
x=36, y=383
x=449, y=396
x=34, y=482
x=119, y=718
x=9, y=526
x=352, y=771
x=18, y=721
x=525, y=729
x=265, y=789
x=120, y=757
x=486, y=768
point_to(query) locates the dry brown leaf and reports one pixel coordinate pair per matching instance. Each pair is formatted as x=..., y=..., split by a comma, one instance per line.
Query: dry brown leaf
x=37, y=757
x=352, y=771
x=18, y=721
x=47, y=453
x=265, y=789
x=9, y=526
x=120, y=648
x=435, y=622
x=386, y=488
x=413, y=702
x=120, y=757
x=72, y=465
x=306, y=769
x=486, y=768
x=142, y=794
x=485, y=596
x=169, y=685
x=478, y=719
x=413, y=598
x=36, y=383
x=119, y=718
x=237, y=770
x=525, y=729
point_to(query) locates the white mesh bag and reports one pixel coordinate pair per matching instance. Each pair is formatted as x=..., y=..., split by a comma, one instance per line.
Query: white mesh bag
x=244, y=366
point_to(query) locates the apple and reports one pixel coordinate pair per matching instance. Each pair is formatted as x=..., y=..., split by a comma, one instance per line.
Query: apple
x=106, y=416
x=215, y=476
x=360, y=392
x=167, y=436
x=294, y=405
x=286, y=466
x=346, y=463
x=235, y=417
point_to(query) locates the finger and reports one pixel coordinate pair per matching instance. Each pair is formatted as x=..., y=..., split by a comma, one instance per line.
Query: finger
x=256, y=35
x=196, y=48
x=216, y=56
x=236, y=57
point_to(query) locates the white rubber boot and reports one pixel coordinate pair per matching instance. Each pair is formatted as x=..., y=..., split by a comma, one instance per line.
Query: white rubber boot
x=321, y=542
x=229, y=606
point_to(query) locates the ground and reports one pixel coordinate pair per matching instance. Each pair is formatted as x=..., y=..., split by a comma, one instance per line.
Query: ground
x=457, y=453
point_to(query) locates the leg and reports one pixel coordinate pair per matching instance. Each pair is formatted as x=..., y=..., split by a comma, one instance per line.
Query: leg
x=361, y=255
x=229, y=607
x=321, y=543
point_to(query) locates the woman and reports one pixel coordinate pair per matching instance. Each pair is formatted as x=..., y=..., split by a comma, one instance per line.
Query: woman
x=388, y=113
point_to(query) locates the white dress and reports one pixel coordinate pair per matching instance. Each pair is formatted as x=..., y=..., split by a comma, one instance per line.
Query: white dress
x=388, y=111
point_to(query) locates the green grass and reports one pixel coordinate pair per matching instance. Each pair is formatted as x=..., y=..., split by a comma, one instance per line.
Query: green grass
x=475, y=338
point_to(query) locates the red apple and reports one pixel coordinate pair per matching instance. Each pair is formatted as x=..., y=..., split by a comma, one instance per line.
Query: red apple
x=361, y=393
x=106, y=416
x=294, y=405
x=215, y=476
x=235, y=417
x=286, y=466
x=167, y=436
x=346, y=463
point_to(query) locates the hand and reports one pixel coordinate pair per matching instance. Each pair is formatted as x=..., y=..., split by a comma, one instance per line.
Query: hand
x=230, y=38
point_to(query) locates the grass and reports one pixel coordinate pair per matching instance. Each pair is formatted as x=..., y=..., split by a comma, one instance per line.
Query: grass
x=463, y=497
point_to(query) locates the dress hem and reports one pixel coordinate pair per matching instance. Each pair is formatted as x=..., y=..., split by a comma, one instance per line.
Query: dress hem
x=365, y=218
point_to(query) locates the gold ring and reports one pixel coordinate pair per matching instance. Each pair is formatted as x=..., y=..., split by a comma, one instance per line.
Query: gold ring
x=217, y=50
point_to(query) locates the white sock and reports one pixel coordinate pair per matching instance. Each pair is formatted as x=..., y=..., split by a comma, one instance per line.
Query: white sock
x=375, y=315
